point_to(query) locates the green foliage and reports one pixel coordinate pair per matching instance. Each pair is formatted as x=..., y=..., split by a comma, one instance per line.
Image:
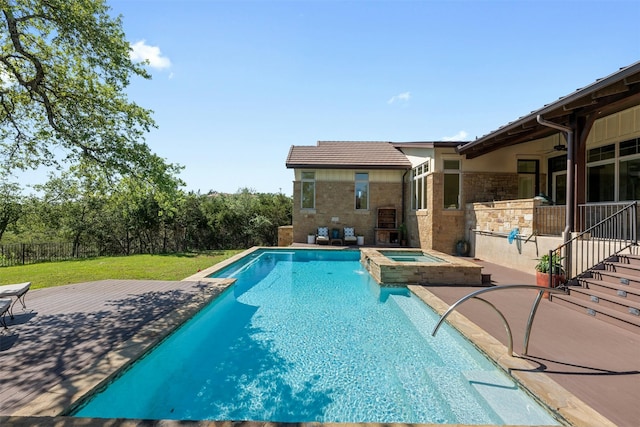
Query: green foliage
x=10, y=204
x=64, y=67
x=143, y=267
x=131, y=216
x=546, y=264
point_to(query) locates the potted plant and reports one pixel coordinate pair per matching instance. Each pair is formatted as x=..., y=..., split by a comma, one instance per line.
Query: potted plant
x=549, y=265
x=311, y=238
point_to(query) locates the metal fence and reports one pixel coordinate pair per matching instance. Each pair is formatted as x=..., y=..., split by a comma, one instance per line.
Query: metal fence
x=550, y=220
x=603, y=239
x=593, y=213
x=31, y=253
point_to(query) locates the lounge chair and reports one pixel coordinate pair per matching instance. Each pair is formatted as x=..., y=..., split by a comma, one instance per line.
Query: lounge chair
x=5, y=304
x=17, y=290
x=350, y=236
x=322, y=238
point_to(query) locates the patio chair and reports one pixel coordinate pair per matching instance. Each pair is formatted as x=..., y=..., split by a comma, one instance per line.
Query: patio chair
x=323, y=236
x=5, y=303
x=350, y=236
x=17, y=290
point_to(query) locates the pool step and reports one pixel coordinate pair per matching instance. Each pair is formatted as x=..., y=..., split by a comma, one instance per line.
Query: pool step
x=430, y=391
x=485, y=389
x=504, y=397
x=415, y=312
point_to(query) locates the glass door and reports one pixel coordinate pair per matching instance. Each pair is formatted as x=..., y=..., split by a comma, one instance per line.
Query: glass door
x=559, y=187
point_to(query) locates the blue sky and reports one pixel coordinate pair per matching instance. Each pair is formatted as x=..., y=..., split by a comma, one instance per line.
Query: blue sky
x=236, y=83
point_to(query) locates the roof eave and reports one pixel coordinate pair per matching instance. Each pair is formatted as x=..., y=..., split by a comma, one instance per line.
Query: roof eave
x=343, y=166
x=591, y=89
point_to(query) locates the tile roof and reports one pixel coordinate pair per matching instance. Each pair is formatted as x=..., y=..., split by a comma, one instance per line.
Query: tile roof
x=347, y=155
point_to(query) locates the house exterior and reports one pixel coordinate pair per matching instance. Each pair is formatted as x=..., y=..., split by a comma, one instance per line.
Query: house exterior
x=512, y=194
x=340, y=184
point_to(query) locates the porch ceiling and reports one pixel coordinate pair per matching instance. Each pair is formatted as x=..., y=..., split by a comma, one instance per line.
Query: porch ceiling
x=609, y=95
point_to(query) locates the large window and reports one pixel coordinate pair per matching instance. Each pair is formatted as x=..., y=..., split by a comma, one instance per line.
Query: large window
x=308, y=193
x=451, y=184
x=419, y=186
x=629, y=170
x=528, y=178
x=362, y=190
x=601, y=174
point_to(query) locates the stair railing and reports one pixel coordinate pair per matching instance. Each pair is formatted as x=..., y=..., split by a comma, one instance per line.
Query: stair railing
x=591, y=247
x=532, y=313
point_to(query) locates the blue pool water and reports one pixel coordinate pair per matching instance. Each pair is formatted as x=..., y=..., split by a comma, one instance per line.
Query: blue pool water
x=309, y=336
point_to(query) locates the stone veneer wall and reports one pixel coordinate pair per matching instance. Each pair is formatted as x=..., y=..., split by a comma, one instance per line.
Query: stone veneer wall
x=438, y=228
x=285, y=235
x=336, y=199
x=502, y=217
x=434, y=228
x=495, y=220
x=488, y=186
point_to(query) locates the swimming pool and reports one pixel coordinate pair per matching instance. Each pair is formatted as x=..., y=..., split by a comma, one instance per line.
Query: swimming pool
x=309, y=336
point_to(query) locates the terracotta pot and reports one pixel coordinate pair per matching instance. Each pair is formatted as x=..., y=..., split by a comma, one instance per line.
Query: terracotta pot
x=542, y=279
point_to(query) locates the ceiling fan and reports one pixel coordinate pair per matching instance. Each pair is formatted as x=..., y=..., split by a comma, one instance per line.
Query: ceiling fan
x=557, y=147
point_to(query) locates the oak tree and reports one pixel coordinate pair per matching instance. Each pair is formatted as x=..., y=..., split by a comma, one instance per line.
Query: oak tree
x=64, y=67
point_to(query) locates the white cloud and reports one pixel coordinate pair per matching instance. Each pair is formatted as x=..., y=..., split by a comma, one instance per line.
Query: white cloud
x=140, y=51
x=401, y=97
x=460, y=136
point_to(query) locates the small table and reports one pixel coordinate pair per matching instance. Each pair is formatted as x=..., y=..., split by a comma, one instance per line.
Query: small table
x=334, y=241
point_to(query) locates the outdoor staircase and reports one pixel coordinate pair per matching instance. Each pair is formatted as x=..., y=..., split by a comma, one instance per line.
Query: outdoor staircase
x=610, y=292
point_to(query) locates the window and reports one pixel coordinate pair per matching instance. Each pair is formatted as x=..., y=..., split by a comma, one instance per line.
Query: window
x=601, y=174
x=630, y=179
x=451, y=184
x=558, y=172
x=613, y=173
x=629, y=170
x=362, y=191
x=601, y=153
x=419, y=186
x=528, y=178
x=308, y=193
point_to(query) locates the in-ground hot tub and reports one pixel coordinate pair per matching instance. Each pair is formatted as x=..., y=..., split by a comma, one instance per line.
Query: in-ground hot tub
x=400, y=267
x=410, y=256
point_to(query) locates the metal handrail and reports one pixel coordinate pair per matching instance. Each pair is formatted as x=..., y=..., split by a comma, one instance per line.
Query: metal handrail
x=532, y=314
x=612, y=234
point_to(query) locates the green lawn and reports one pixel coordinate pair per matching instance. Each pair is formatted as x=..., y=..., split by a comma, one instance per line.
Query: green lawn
x=149, y=267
